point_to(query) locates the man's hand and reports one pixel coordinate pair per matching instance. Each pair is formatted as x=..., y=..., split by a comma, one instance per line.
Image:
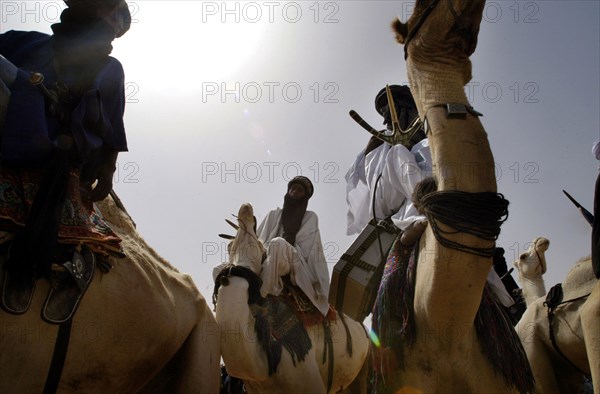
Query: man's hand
x=105, y=177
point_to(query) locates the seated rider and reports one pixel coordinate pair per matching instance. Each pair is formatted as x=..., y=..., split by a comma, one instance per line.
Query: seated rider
x=293, y=242
x=61, y=133
x=384, y=176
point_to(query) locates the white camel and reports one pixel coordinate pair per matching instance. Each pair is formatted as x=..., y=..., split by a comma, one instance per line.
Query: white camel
x=237, y=310
x=531, y=267
x=142, y=327
x=561, y=333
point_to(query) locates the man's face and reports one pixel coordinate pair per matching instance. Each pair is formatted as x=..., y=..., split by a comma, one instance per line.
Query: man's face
x=296, y=191
x=387, y=117
x=401, y=111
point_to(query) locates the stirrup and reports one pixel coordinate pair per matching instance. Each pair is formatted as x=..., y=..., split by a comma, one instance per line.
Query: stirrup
x=69, y=283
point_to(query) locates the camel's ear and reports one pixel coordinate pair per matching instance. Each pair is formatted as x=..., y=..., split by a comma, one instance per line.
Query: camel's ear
x=400, y=30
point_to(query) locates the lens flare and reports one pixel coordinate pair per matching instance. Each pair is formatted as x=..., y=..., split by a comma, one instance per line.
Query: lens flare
x=374, y=338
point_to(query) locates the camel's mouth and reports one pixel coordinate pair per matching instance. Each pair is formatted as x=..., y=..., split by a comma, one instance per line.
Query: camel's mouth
x=246, y=213
x=542, y=244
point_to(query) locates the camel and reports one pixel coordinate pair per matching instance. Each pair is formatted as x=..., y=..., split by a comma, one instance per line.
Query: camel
x=237, y=305
x=559, y=365
x=531, y=266
x=454, y=255
x=142, y=327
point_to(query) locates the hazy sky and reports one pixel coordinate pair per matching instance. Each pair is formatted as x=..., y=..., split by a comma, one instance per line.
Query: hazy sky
x=227, y=101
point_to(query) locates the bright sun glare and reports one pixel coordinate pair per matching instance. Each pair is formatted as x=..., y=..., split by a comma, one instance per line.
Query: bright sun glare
x=182, y=43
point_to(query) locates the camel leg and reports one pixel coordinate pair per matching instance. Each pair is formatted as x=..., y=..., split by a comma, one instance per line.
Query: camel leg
x=543, y=371
x=533, y=332
x=360, y=384
x=304, y=377
x=195, y=368
x=200, y=368
x=591, y=333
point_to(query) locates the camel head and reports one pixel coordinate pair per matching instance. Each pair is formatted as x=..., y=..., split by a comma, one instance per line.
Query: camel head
x=453, y=25
x=532, y=262
x=246, y=249
x=439, y=37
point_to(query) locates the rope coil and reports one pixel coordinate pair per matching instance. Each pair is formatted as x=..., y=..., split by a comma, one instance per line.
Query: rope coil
x=477, y=214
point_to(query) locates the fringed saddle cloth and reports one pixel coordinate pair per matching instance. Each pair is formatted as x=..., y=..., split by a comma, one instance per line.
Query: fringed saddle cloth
x=284, y=322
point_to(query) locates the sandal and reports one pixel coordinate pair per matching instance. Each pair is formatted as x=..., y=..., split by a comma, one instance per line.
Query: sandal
x=69, y=282
x=17, y=291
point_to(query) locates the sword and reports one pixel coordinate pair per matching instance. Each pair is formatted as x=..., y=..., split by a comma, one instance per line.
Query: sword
x=402, y=137
x=363, y=123
x=393, y=115
x=586, y=214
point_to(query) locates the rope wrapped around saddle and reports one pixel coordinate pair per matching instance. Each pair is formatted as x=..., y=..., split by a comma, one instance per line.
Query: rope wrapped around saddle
x=477, y=214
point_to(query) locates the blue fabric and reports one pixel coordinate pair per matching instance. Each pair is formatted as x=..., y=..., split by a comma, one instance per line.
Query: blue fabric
x=26, y=137
x=29, y=133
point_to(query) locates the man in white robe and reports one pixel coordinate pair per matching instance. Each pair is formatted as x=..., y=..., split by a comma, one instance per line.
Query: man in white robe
x=388, y=173
x=385, y=176
x=293, y=241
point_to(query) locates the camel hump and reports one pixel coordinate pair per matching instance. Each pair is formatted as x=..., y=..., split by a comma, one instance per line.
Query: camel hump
x=580, y=280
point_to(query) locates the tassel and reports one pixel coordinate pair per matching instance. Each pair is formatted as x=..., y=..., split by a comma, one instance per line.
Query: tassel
x=506, y=356
x=393, y=321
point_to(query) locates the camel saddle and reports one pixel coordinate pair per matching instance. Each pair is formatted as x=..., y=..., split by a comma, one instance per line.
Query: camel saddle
x=356, y=276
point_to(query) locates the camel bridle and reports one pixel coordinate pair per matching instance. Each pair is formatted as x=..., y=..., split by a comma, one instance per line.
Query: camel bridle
x=539, y=257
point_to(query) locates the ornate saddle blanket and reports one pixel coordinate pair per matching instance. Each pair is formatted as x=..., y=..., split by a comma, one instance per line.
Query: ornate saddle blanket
x=306, y=312
x=80, y=223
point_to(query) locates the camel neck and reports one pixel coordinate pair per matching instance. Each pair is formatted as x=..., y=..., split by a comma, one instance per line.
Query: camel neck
x=436, y=84
x=533, y=288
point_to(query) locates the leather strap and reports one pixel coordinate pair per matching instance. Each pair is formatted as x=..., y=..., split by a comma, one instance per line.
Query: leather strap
x=58, y=358
x=553, y=300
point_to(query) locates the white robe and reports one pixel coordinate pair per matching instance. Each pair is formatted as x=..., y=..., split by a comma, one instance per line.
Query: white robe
x=305, y=261
x=400, y=171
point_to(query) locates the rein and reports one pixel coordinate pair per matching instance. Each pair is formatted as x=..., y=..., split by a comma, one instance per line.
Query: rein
x=539, y=258
x=254, y=283
x=553, y=300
